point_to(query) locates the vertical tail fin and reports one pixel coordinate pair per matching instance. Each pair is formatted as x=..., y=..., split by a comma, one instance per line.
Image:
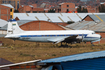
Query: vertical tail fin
x=13, y=27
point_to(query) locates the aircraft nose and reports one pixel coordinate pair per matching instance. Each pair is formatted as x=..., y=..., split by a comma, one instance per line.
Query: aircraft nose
x=100, y=37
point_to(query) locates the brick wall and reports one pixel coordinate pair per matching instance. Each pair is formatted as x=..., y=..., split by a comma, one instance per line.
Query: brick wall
x=4, y=12
x=69, y=6
x=27, y=9
x=102, y=40
x=4, y=17
x=87, y=19
x=40, y=25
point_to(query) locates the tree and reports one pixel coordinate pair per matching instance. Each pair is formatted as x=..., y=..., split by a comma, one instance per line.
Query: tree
x=16, y=11
x=79, y=9
x=82, y=10
x=101, y=8
x=51, y=11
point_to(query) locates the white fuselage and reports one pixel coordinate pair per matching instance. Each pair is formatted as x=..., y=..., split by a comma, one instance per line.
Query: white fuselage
x=45, y=36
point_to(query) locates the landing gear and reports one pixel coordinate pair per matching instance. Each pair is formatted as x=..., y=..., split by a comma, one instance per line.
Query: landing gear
x=61, y=44
x=64, y=45
x=92, y=44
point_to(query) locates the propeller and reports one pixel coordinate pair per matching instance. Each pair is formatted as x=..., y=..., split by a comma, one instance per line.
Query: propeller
x=82, y=37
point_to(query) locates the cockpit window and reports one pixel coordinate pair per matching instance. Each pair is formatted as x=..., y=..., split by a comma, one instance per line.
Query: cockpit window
x=93, y=33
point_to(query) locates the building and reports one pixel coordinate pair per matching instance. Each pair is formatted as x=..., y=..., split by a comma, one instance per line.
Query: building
x=52, y=17
x=66, y=7
x=95, y=17
x=85, y=0
x=88, y=61
x=28, y=65
x=94, y=22
x=14, y=3
x=40, y=25
x=6, y=11
x=92, y=9
x=30, y=9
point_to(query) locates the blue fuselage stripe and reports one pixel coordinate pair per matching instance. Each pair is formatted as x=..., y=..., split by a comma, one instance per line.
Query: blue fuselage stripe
x=52, y=35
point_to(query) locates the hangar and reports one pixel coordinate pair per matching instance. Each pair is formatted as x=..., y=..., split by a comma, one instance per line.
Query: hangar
x=54, y=17
x=95, y=18
x=40, y=25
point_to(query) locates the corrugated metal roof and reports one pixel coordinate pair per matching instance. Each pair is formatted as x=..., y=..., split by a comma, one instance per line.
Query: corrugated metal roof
x=87, y=25
x=82, y=15
x=82, y=56
x=20, y=22
x=27, y=18
x=8, y=5
x=65, y=18
x=55, y=19
x=36, y=14
x=94, y=17
x=3, y=22
x=73, y=16
x=83, y=25
x=42, y=18
x=53, y=14
x=102, y=17
x=97, y=17
x=20, y=15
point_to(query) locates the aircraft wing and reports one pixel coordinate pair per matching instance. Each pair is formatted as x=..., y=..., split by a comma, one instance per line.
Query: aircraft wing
x=64, y=39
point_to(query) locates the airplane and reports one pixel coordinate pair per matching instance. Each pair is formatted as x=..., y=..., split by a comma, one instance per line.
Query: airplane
x=55, y=36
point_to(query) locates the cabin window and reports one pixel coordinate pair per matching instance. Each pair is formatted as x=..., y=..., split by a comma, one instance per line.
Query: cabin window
x=67, y=5
x=67, y=10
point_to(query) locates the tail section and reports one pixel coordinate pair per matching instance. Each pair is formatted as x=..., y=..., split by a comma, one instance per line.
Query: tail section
x=13, y=27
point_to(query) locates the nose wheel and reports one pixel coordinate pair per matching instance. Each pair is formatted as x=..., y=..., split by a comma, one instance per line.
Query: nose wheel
x=92, y=44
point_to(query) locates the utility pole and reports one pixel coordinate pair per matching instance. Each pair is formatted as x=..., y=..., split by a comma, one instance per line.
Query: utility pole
x=39, y=25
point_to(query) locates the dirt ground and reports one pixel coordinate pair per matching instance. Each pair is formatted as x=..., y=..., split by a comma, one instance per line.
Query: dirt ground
x=20, y=51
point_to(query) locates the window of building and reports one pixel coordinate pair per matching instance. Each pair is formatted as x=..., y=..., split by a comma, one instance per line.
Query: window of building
x=67, y=5
x=2, y=1
x=10, y=10
x=6, y=1
x=9, y=1
x=34, y=11
x=27, y=11
x=59, y=5
x=10, y=16
x=17, y=4
x=59, y=10
x=67, y=10
x=14, y=5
